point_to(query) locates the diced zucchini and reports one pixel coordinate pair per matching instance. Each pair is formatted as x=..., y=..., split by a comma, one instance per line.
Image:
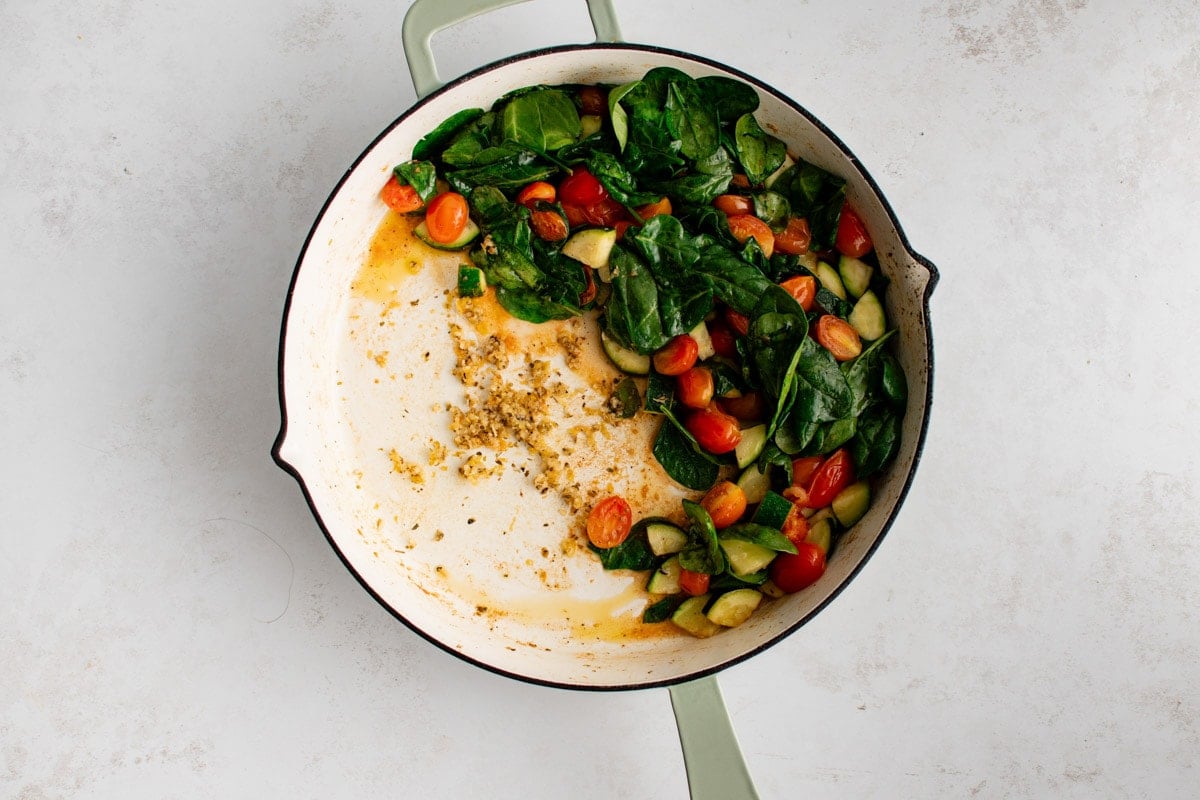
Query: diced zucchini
x=788, y=163
x=592, y=247
x=754, y=483
x=704, y=345
x=773, y=510
x=665, y=538
x=690, y=616
x=751, y=444
x=851, y=503
x=733, y=608
x=665, y=579
x=856, y=275
x=867, y=317
x=746, y=557
x=588, y=124
x=468, y=235
x=820, y=533
x=771, y=590
x=471, y=281
x=626, y=360
x=828, y=277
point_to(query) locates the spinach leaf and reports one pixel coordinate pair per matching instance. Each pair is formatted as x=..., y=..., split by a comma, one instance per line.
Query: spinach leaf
x=831, y=303
x=669, y=249
x=660, y=393
x=822, y=394
x=876, y=441
x=816, y=195
x=469, y=142
x=506, y=167
x=737, y=283
x=759, y=152
x=727, y=581
x=532, y=306
x=421, y=175
x=680, y=457
x=432, y=143
x=656, y=84
x=650, y=150
x=773, y=209
x=618, y=181
x=625, y=400
x=633, y=314
x=778, y=330
x=617, y=114
x=544, y=120
x=711, y=177
x=691, y=120
x=633, y=553
x=728, y=97
x=828, y=436
x=761, y=535
x=703, y=552
x=893, y=384
x=662, y=610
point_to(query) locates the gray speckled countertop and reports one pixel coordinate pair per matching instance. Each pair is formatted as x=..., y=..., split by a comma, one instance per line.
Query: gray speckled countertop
x=174, y=625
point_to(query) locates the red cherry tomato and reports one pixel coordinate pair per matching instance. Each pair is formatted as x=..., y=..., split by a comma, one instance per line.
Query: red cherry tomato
x=713, y=429
x=693, y=583
x=747, y=226
x=677, y=356
x=803, y=288
x=739, y=322
x=609, y=522
x=834, y=474
x=803, y=469
x=722, y=338
x=606, y=213
x=694, y=388
x=838, y=337
x=749, y=406
x=852, y=237
x=725, y=502
x=581, y=188
x=575, y=215
x=795, y=238
x=446, y=217
x=734, y=204
x=793, y=572
x=538, y=190
x=400, y=197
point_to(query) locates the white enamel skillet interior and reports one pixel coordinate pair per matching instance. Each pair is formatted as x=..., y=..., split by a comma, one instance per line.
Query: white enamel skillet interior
x=463, y=563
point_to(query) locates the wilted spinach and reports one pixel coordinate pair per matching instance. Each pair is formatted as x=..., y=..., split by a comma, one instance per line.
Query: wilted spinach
x=421, y=175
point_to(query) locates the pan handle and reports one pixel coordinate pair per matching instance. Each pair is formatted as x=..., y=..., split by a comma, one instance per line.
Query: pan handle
x=427, y=17
x=715, y=767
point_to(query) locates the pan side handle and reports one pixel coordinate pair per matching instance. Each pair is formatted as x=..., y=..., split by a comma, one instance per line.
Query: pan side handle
x=715, y=767
x=427, y=17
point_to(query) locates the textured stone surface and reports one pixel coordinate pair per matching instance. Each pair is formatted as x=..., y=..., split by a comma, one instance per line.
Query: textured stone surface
x=174, y=625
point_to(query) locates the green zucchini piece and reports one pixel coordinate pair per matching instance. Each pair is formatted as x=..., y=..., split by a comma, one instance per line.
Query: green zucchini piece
x=704, y=345
x=690, y=617
x=773, y=510
x=754, y=483
x=746, y=557
x=588, y=124
x=665, y=538
x=820, y=533
x=592, y=247
x=856, y=275
x=867, y=317
x=468, y=235
x=471, y=281
x=733, y=608
x=751, y=445
x=851, y=503
x=626, y=360
x=665, y=579
x=829, y=278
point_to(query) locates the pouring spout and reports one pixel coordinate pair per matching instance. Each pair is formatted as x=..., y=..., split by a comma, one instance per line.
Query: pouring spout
x=711, y=755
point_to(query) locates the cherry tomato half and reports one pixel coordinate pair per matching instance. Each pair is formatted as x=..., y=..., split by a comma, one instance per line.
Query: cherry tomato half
x=740, y=323
x=581, y=188
x=538, y=190
x=725, y=502
x=693, y=583
x=747, y=226
x=722, y=338
x=852, y=238
x=838, y=337
x=649, y=210
x=795, y=238
x=609, y=522
x=713, y=429
x=803, y=288
x=694, y=388
x=576, y=216
x=734, y=204
x=446, y=217
x=835, y=473
x=803, y=469
x=795, y=526
x=748, y=407
x=400, y=197
x=606, y=213
x=793, y=572
x=677, y=356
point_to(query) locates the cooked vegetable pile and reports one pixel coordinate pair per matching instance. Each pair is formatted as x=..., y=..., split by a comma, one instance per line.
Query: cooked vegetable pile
x=735, y=287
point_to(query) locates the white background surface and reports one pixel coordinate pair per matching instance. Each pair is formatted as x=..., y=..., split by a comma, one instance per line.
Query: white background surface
x=173, y=624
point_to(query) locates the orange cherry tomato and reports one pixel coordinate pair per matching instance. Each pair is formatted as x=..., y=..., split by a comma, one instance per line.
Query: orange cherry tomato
x=740, y=181
x=694, y=388
x=795, y=238
x=606, y=213
x=725, y=502
x=803, y=288
x=693, y=583
x=538, y=190
x=739, y=322
x=549, y=225
x=795, y=526
x=400, y=197
x=835, y=473
x=734, y=204
x=592, y=100
x=581, y=188
x=852, y=238
x=649, y=210
x=793, y=572
x=713, y=429
x=838, y=337
x=609, y=522
x=677, y=356
x=446, y=217
x=575, y=215
x=748, y=407
x=747, y=226
x=803, y=469
x=722, y=338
